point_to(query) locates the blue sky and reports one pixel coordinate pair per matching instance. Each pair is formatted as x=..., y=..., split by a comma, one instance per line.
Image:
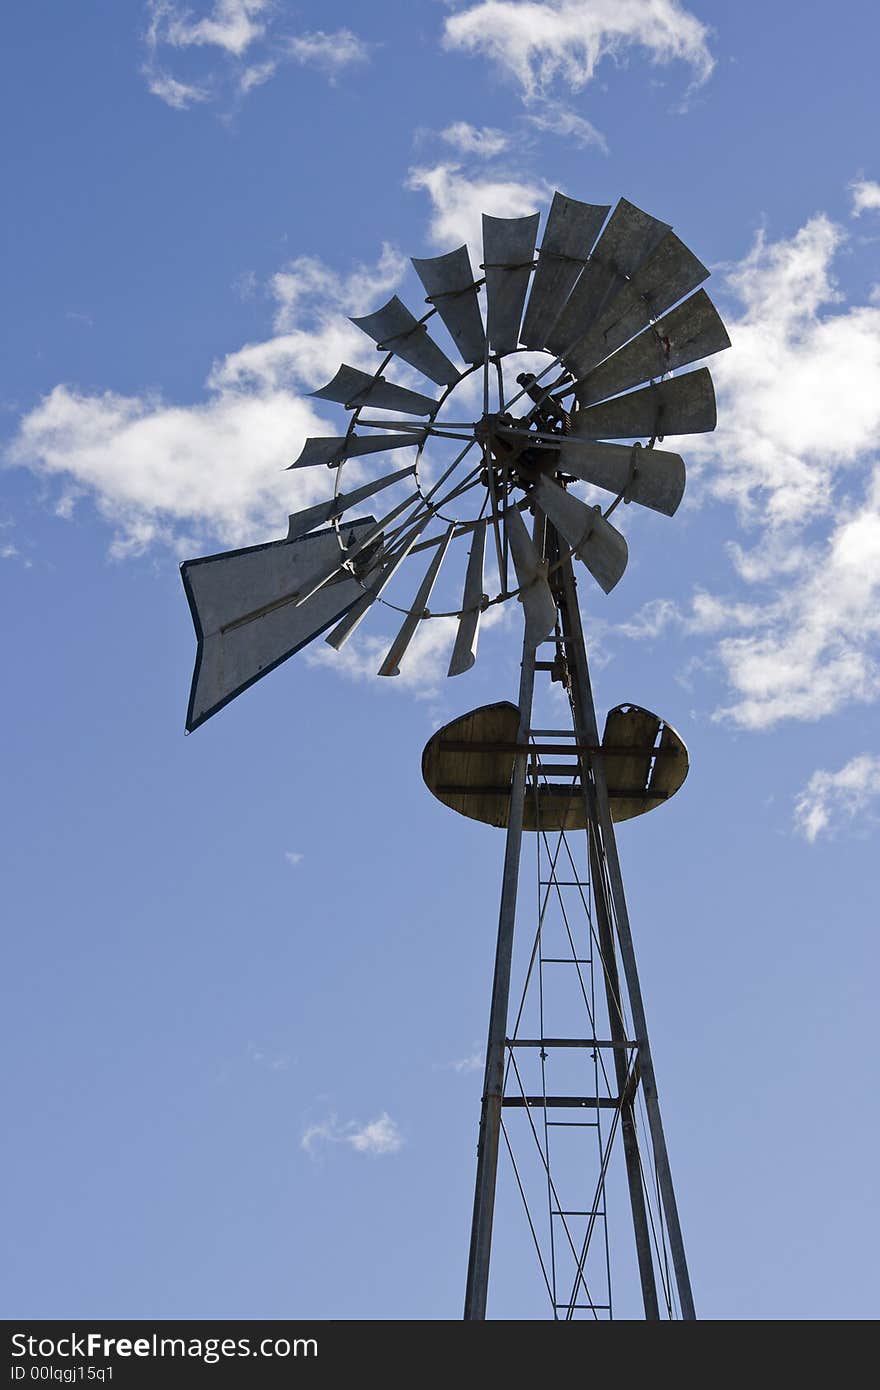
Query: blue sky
x=248, y=971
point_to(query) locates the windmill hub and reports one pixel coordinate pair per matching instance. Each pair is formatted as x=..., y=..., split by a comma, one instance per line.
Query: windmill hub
x=515, y=459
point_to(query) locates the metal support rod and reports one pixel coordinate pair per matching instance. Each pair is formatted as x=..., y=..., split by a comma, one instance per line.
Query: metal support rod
x=586, y=717
x=493, y=1083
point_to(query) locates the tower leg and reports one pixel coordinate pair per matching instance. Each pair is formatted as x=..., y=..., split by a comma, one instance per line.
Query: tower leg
x=607, y=850
x=493, y=1083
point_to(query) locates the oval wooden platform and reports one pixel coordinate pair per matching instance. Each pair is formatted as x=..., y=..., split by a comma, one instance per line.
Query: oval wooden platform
x=468, y=766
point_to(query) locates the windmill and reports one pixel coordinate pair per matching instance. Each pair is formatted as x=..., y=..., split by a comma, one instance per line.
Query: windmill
x=567, y=379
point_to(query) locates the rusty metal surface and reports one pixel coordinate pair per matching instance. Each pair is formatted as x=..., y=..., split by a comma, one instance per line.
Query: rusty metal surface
x=571, y=230
x=666, y=275
x=353, y=388
x=394, y=329
x=689, y=332
x=468, y=766
x=508, y=253
x=450, y=286
x=629, y=237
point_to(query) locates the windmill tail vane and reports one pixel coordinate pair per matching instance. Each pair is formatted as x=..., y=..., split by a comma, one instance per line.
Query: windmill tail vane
x=559, y=366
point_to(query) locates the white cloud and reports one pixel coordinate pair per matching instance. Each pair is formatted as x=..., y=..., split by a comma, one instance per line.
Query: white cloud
x=232, y=25
x=293, y=856
x=377, y=1137
x=831, y=800
x=179, y=473
x=560, y=120
x=485, y=143
x=422, y=670
x=865, y=196
x=794, y=453
x=542, y=43
x=458, y=201
x=475, y=1061
x=237, y=34
x=814, y=645
x=179, y=95
x=329, y=52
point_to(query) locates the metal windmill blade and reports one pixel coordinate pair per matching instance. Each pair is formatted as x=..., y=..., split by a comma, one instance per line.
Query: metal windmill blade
x=451, y=288
x=508, y=256
x=691, y=331
x=605, y=298
x=353, y=388
x=628, y=239
x=571, y=230
x=394, y=329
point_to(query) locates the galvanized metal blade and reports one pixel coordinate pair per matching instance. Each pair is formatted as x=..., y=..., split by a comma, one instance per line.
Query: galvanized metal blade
x=681, y=405
x=353, y=388
x=629, y=237
x=571, y=229
x=508, y=254
x=687, y=333
x=334, y=450
x=375, y=583
x=595, y=542
x=245, y=620
x=302, y=522
x=651, y=477
x=665, y=276
x=396, y=652
x=395, y=330
x=464, y=653
x=539, y=605
x=449, y=282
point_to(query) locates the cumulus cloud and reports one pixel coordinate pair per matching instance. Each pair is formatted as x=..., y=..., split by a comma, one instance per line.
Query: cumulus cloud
x=865, y=196
x=833, y=800
x=458, y=200
x=376, y=1138
x=179, y=474
x=542, y=43
x=795, y=457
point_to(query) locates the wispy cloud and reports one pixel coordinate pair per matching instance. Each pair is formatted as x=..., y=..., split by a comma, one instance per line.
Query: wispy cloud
x=485, y=142
x=542, y=44
x=832, y=801
x=238, y=47
x=377, y=1138
x=330, y=53
x=555, y=119
x=293, y=856
x=865, y=196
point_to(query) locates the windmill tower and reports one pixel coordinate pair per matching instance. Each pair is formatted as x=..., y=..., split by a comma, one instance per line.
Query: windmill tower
x=565, y=386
